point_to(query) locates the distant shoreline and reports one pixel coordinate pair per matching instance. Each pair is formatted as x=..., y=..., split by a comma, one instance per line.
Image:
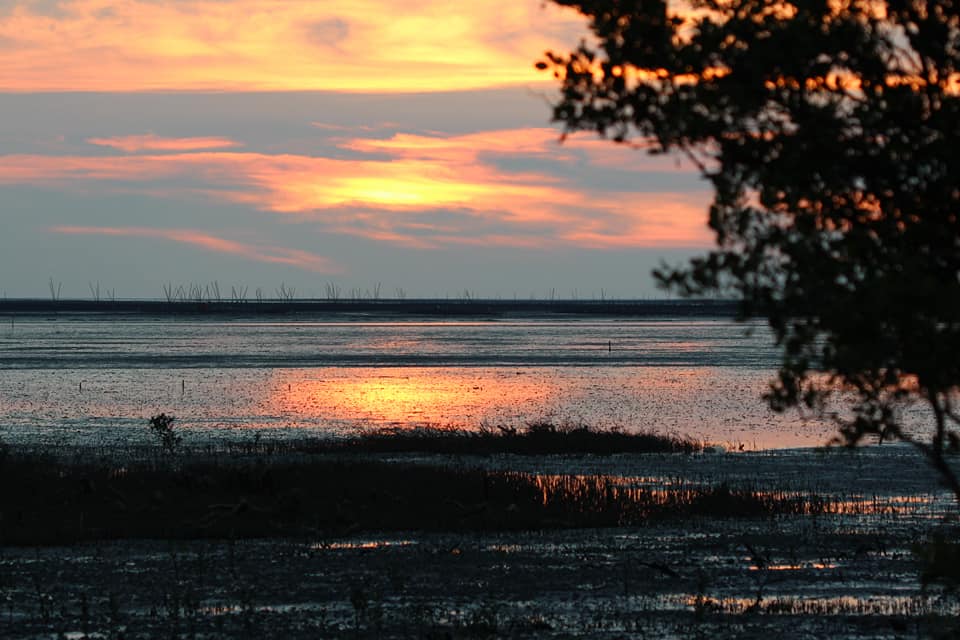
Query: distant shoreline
x=396, y=307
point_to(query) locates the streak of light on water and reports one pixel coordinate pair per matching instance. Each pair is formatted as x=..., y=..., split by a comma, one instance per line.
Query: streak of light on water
x=95, y=380
x=361, y=544
x=914, y=606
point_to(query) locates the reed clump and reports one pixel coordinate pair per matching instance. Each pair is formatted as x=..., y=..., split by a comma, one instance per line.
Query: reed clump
x=534, y=438
x=67, y=501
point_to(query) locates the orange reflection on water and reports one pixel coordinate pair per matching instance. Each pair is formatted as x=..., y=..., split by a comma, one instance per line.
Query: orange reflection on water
x=820, y=566
x=886, y=605
x=714, y=405
x=402, y=397
x=354, y=545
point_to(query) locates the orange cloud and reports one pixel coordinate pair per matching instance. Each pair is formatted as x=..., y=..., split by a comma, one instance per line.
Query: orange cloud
x=150, y=142
x=263, y=45
x=274, y=255
x=413, y=190
x=659, y=220
x=539, y=142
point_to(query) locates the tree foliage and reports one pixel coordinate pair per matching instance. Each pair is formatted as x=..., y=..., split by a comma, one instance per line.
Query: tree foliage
x=830, y=131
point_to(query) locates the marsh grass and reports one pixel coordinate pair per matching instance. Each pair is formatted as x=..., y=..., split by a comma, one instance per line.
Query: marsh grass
x=535, y=438
x=62, y=502
x=901, y=607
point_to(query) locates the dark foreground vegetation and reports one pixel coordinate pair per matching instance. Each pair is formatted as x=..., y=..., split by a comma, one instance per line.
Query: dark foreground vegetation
x=349, y=545
x=58, y=502
x=407, y=538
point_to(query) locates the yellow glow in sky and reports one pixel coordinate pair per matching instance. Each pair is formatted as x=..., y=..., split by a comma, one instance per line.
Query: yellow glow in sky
x=427, y=192
x=263, y=45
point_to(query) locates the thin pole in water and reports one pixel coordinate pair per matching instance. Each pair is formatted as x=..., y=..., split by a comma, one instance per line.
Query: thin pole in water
x=183, y=386
x=609, y=346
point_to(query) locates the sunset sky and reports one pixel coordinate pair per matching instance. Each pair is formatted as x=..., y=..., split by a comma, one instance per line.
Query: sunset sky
x=260, y=142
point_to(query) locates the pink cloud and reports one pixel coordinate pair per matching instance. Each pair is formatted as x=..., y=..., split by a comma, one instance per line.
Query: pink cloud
x=150, y=142
x=412, y=190
x=274, y=255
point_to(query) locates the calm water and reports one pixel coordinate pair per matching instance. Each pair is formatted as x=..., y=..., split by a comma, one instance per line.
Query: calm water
x=89, y=379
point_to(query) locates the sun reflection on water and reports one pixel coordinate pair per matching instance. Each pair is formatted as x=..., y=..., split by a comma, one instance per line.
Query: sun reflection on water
x=406, y=397
x=717, y=405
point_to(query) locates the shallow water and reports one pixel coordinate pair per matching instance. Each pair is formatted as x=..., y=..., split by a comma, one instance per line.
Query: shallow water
x=821, y=579
x=93, y=379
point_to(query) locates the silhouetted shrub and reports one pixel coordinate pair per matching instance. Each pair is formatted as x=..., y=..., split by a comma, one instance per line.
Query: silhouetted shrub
x=162, y=426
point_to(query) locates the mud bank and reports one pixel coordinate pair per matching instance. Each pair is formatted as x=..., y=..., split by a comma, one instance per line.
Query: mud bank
x=783, y=578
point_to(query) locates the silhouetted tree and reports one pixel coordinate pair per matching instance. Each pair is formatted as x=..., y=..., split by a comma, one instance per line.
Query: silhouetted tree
x=830, y=131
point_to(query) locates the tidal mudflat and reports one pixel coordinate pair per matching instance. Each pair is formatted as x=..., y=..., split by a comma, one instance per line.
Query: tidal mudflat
x=258, y=527
x=94, y=379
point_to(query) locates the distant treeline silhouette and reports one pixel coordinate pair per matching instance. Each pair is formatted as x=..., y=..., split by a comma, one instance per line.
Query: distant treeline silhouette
x=413, y=307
